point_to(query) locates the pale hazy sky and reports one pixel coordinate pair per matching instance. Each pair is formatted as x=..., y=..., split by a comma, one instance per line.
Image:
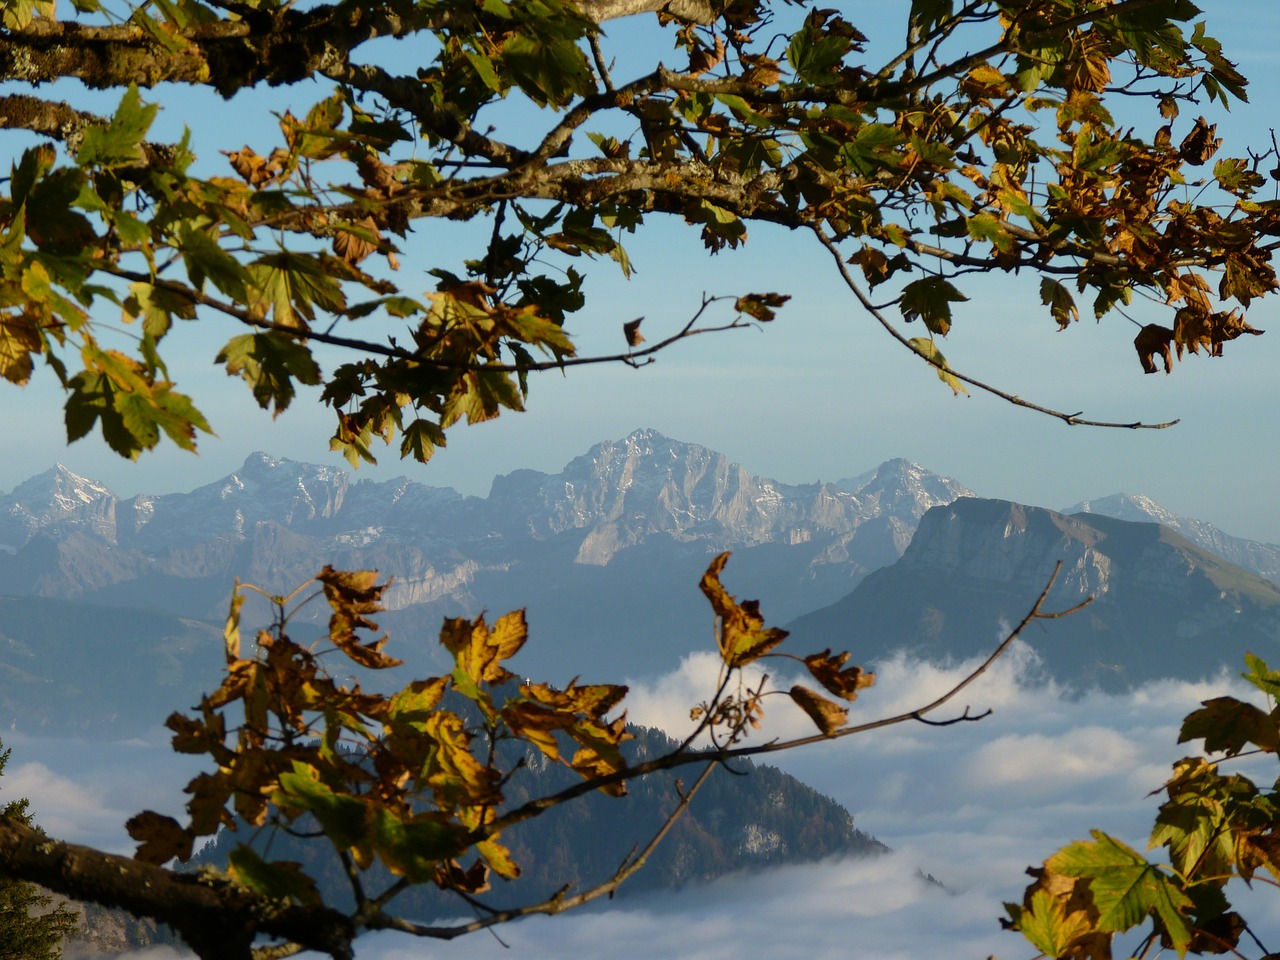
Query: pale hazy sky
x=821, y=393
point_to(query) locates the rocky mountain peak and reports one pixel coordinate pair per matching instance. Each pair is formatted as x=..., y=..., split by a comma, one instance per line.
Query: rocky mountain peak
x=57, y=502
x=1260, y=558
x=905, y=488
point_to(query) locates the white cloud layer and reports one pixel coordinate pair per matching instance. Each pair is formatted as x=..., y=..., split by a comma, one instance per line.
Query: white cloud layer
x=972, y=804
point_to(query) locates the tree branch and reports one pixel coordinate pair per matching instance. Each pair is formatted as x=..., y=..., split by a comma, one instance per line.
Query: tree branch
x=214, y=916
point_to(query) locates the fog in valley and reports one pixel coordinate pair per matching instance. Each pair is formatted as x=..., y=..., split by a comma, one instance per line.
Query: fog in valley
x=971, y=805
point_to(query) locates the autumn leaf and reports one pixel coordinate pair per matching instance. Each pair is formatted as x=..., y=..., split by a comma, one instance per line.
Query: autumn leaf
x=702, y=59
x=1154, y=340
x=742, y=635
x=631, y=330
x=1200, y=144
x=829, y=717
x=19, y=339
x=353, y=595
x=760, y=306
x=927, y=349
x=1228, y=725
x=831, y=672
x=161, y=838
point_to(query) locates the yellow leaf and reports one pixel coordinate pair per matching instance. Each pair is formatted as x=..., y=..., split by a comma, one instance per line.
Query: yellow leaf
x=743, y=636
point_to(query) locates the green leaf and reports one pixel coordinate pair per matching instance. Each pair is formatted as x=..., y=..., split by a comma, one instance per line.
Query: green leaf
x=992, y=229
x=929, y=299
x=344, y=819
x=1262, y=676
x=156, y=306
x=120, y=142
x=1126, y=889
x=550, y=72
x=293, y=285
x=205, y=259
x=413, y=848
x=1059, y=301
x=281, y=880
x=270, y=362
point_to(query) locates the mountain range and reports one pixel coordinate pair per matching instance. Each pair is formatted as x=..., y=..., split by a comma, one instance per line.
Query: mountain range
x=605, y=556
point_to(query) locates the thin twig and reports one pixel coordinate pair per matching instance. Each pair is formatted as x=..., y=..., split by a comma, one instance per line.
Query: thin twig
x=1072, y=419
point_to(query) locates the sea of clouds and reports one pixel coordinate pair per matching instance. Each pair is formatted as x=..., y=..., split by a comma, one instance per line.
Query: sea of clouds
x=972, y=805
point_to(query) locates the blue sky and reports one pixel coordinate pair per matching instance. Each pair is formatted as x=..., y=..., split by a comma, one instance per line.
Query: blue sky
x=821, y=393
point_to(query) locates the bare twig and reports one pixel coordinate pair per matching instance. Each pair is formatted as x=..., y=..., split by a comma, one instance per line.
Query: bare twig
x=1072, y=419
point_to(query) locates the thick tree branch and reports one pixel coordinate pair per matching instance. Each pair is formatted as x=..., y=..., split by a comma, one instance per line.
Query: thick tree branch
x=216, y=918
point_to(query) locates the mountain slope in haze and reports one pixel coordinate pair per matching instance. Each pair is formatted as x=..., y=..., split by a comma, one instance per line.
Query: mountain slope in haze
x=1260, y=558
x=78, y=670
x=605, y=555
x=1163, y=606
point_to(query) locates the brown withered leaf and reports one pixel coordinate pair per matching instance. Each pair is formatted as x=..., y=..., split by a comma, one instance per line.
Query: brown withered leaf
x=702, y=59
x=831, y=672
x=255, y=169
x=761, y=71
x=1194, y=329
x=353, y=247
x=743, y=636
x=379, y=177
x=760, y=306
x=352, y=594
x=631, y=330
x=451, y=876
x=1200, y=144
x=161, y=838
x=828, y=716
x=1153, y=340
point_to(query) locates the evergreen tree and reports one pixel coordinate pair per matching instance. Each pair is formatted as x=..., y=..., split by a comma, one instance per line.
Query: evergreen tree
x=29, y=930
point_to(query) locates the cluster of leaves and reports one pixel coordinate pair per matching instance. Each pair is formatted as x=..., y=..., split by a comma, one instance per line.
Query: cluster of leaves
x=986, y=144
x=397, y=778
x=1214, y=828
x=413, y=780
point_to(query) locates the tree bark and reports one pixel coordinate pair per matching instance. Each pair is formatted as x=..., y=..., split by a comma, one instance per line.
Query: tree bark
x=216, y=917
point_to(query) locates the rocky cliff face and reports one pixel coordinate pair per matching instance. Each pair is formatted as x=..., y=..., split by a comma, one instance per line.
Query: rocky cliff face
x=1260, y=558
x=269, y=521
x=1162, y=606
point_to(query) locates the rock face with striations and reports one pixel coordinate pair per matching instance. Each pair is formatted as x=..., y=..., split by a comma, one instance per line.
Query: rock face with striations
x=1162, y=605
